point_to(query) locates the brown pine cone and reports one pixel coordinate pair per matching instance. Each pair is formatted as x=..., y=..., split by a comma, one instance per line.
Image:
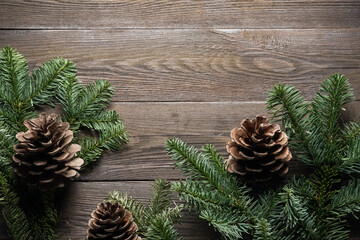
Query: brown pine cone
x=258, y=150
x=45, y=157
x=112, y=221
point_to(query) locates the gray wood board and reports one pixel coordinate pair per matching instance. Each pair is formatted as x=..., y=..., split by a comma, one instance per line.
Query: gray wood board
x=198, y=64
x=21, y=14
x=81, y=198
x=151, y=124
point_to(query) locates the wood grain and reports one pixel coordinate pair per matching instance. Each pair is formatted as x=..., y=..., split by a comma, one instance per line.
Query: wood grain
x=198, y=64
x=81, y=199
x=152, y=124
x=145, y=158
x=41, y=14
x=187, y=69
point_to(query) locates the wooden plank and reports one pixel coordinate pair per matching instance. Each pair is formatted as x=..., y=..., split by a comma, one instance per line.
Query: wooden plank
x=195, y=118
x=147, y=150
x=198, y=65
x=151, y=124
x=145, y=158
x=81, y=199
x=21, y=14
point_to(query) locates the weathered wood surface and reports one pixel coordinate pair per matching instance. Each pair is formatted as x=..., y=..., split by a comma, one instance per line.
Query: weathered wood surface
x=188, y=69
x=78, y=209
x=144, y=158
x=198, y=64
x=42, y=14
x=81, y=199
x=151, y=124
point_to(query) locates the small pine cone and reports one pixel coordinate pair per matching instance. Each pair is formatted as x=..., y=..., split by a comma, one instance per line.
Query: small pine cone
x=44, y=158
x=258, y=150
x=112, y=221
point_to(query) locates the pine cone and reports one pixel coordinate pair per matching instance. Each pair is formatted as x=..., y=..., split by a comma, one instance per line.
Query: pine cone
x=258, y=150
x=112, y=221
x=44, y=158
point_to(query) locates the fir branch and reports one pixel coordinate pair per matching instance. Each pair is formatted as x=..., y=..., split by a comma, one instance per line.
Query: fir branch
x=287, y=105
x=287, y=213
x=20, y=93
x=263, y=230
x=303, y=187
x=12, y=118
x=310, y=207
x=171, y=214
x=46, y=79
x=155, y=221
x=351, y=131
x=43, y=216
x=138, y=210
x=86, y=107
x=190, y=162
x=5, y=120
x=161, y=194
x=161, y=230
x=197, y=166
x=325, y=117
x=94, y=98
x=90, y=150
x=347, y=199
x=14, y=86
x=335, y=228
x=13, y=74
x=113, y=140
x=323, y=181
x=231, y=225
x=7, y=142
x=15, y=218
x=229, y=183
x=68, y=96
x=351, y=163
x=294, y=210
x=199, y=196
x=206, y=170
x=101, y=121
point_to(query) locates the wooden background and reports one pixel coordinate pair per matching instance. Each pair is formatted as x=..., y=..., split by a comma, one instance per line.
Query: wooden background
x=188, y=69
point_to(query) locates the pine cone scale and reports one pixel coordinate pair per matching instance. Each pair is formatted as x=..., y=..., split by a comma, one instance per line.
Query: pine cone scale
x=47, y=144
x=233, y=167
x=75, y=163
x=63, y=157
x=282, y=154
x=248, y=127
x=267, y=162
x=46, y=181
x=51, y=166
x=239, y=135
x=260, y=154
x=34, y=173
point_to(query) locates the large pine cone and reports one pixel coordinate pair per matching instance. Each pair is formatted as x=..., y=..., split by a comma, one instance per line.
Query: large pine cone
x=112, y=221
x=44, y=158
x=258, y=150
